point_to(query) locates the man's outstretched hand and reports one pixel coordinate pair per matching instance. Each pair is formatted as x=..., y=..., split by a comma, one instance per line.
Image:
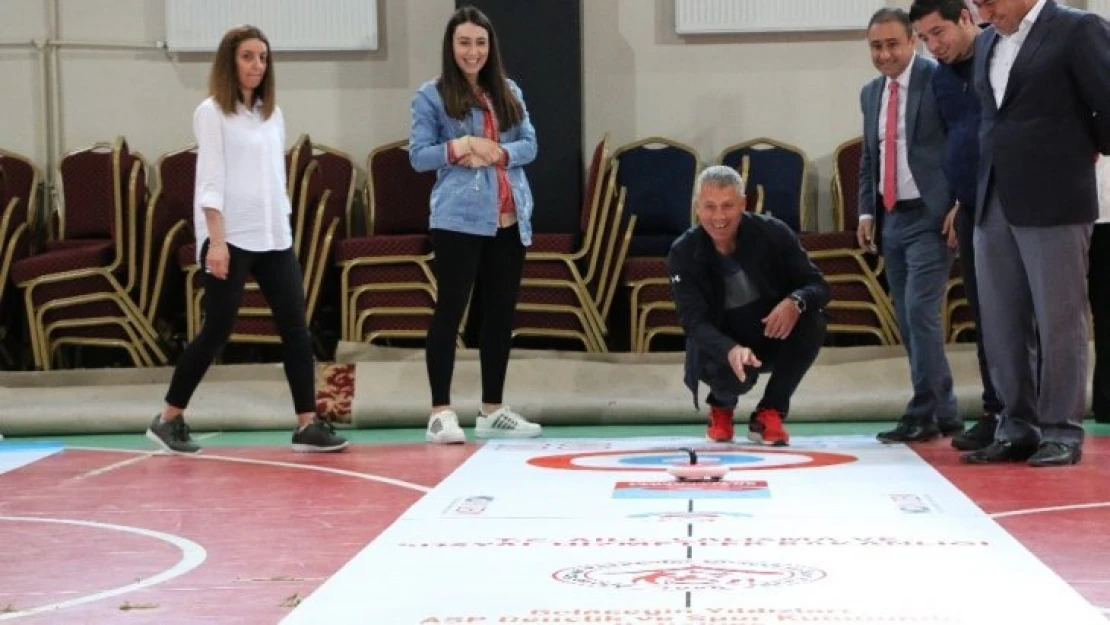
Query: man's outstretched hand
x=740, y=357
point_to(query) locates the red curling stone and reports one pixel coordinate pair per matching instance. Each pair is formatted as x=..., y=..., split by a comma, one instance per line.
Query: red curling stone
x=698, y=473
x=694, y=472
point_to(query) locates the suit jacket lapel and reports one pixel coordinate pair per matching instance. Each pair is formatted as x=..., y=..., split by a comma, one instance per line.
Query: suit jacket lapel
x=876, y=105
x=983, y=65
x=876, y=108
x=916, y=90
x=1028, y=50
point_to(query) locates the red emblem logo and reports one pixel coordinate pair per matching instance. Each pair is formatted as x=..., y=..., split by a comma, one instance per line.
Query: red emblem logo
x=685, y=575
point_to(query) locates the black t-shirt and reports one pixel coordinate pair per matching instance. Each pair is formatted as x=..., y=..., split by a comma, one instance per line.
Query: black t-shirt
x=745, y=305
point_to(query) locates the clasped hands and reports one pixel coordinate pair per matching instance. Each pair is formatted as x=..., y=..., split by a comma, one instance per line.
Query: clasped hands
x=477, y=151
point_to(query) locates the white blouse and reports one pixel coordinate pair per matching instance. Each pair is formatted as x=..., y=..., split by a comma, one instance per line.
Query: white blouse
x=241, y=173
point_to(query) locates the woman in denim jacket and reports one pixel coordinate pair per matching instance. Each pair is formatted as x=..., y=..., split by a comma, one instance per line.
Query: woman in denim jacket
x=471, y=127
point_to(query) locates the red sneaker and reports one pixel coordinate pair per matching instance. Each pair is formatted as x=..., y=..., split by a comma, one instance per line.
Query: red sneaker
x=766, y=427
x=720, y=428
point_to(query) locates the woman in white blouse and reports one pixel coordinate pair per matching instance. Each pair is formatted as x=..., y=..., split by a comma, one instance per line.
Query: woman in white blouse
x=241, y=220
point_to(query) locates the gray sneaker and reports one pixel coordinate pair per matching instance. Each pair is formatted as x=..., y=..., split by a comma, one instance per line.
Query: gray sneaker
x=318, y=436
x=172, y=436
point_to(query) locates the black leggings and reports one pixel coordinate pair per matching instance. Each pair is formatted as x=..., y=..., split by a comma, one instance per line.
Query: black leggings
x=279, y=276
x=494, y=265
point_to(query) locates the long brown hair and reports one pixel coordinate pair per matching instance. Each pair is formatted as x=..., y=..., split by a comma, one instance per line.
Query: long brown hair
x=223, y=81
x=457, y=95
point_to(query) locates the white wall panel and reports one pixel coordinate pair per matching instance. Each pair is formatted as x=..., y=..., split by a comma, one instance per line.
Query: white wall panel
x=748, y=16
x=307, y=25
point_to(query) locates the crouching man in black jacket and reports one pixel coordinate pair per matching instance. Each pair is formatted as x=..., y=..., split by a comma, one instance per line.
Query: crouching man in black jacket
x=750, y=301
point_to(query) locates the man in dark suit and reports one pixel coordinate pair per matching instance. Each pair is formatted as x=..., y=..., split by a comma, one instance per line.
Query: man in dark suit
x=902, y=186
x=1042, y=73
x=947, y=29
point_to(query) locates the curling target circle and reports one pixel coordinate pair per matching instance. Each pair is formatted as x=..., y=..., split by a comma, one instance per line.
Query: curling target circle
x=657, y=460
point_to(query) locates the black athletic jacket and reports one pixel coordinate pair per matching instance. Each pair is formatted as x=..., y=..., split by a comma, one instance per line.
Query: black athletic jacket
x=772, y=256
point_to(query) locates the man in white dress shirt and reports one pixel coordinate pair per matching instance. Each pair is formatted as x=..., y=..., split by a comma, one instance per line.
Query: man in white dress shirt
x=903, y=199
x=1042, y=74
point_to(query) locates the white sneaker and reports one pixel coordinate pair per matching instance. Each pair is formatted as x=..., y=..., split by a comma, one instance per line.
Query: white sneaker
x=443, y=429
x=505, y=423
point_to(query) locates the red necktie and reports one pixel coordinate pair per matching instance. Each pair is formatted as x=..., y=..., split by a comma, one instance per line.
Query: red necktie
x=890, y=149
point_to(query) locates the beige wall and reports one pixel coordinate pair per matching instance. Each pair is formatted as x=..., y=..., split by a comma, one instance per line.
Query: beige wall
x=21, y=123
x=640, y=80
x=711, y=92
x=352, y=101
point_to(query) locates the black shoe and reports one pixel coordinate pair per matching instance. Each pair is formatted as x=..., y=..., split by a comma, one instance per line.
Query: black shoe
x=1001, y=451
x=951, y=427
x=1053, y=454
x=172, y=436
x=909, y=431
x=979, y=436
x=318, y=436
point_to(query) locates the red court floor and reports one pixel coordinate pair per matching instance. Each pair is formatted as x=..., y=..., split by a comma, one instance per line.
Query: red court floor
x=275, y=525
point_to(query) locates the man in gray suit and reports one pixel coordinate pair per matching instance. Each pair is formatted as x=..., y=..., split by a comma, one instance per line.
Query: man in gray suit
x=1042, y=73
x=903, y=199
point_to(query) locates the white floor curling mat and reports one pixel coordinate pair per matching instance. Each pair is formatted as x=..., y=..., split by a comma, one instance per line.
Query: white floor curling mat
x=830, y=530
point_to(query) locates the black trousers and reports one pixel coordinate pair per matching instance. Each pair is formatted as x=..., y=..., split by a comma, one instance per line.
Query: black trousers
x=1098, y=291
x=279, y=276
x=787, y=360
x=493, y=266
x=965, y=231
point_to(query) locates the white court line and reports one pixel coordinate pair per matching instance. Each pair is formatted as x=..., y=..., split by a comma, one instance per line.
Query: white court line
x=370, y=477
x=206, y=436
x=192, y=555
x=1078, y=506
x=112, y=467
x=308, y=467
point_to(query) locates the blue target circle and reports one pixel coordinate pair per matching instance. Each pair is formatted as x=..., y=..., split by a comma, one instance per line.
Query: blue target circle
x=667, y=460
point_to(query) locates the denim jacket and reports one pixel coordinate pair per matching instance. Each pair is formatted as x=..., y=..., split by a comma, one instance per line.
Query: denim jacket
x=465, y=199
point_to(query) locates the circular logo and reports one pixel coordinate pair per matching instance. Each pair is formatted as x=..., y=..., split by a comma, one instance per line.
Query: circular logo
x=656, y=460
x=687, y=575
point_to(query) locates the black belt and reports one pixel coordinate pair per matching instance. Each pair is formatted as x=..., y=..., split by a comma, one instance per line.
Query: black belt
x=902, y=206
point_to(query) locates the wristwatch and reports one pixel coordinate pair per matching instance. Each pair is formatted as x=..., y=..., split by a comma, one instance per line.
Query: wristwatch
x=799, y=303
